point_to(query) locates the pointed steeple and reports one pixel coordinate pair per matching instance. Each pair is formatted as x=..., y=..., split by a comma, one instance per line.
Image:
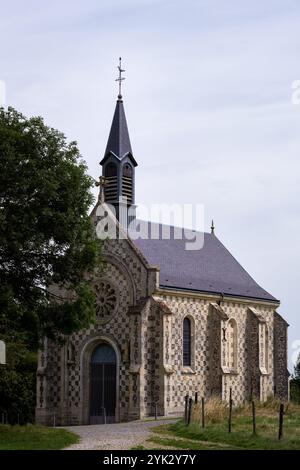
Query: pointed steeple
x=118, y=142
x=118, y=163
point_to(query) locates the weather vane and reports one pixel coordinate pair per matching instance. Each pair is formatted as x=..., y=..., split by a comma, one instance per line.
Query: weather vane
x=120, y=78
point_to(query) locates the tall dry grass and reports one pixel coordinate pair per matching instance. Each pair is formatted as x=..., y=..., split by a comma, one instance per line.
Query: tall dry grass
x=216, y=410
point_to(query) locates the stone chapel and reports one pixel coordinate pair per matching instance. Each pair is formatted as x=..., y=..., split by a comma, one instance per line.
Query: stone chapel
x=170, y=322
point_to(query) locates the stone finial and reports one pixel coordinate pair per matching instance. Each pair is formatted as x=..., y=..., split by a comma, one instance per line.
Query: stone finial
x=212, y=228
x=102, y=184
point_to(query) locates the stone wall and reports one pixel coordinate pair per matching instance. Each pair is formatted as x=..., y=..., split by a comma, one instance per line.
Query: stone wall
x=144, y=325
x=208, y=375
x=63, y=382
x=281, y=372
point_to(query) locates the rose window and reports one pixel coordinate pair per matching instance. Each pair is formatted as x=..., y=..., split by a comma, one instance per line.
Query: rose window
x=106, y=300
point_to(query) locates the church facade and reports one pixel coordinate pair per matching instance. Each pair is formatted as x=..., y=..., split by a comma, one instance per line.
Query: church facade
x=170, y=322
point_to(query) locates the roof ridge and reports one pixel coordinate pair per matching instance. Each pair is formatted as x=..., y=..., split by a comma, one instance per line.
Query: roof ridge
x=173, y=226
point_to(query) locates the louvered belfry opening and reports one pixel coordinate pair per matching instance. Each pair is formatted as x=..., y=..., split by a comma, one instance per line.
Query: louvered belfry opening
x=111, y=182
x=127, y=183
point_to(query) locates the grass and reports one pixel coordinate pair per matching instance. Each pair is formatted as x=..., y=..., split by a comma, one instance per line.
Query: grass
x=160, y=418
x=31, y=437
x=215, y=434
x=187, y=444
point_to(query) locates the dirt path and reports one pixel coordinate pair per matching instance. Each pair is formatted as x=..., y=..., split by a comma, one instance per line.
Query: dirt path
x=117, y=436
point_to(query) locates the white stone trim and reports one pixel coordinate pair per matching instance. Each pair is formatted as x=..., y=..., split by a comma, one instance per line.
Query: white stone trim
x=85, y=355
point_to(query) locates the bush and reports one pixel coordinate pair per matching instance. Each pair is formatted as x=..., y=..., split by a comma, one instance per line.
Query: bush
x=18, y=384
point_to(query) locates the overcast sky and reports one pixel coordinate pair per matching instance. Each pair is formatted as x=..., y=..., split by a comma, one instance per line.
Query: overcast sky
x=208, y=103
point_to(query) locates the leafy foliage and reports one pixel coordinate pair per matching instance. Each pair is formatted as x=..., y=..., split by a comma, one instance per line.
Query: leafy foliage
x=18, y=384
x=46, y=239
x=295, y=383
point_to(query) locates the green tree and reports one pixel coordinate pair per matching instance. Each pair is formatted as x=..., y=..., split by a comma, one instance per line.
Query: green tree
x=46, y=236
x=295, y=383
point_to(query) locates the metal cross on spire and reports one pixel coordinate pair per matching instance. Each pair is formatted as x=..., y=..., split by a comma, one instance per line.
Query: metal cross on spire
x=120, y=78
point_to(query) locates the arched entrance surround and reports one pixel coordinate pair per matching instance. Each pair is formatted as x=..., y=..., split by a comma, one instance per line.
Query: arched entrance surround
x=98, y=364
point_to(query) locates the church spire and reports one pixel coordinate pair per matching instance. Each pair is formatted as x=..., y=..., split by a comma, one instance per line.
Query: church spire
x=118, y=163
x=118, y=143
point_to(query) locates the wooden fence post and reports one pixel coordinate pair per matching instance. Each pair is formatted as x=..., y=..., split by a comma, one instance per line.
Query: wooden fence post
x=230, y=410
x=202, y=413
x=196, y=397
x=189, y=411
x=186, y=401
x=155, y=411
x=253, y=417
x=280, y=431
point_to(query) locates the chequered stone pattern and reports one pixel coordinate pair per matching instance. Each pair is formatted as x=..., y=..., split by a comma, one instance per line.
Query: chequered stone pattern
x=149, y=340
x=152, y=358
x=239, y=382
x=280, y=357
x=185, y=380
x=54, y=375
x=119, y=250
x=205, y=375
x=117, y=328
x=130, y=281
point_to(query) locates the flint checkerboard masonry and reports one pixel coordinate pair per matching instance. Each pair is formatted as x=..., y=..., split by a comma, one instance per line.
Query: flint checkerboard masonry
x=147, y=288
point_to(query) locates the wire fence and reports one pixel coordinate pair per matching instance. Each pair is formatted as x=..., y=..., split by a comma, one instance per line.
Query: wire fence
x=195, y=412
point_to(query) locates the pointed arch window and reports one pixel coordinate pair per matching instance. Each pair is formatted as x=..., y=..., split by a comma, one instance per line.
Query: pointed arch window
x=187, y=346
x=111, y=170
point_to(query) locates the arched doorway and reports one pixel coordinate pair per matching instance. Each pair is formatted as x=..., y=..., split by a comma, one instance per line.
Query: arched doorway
x=103, y=384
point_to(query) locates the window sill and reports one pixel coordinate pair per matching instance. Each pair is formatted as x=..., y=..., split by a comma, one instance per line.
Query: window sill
x=187, y=370
x=228, y=371
x=263, y=371
x=134, y=369
x=168, y=369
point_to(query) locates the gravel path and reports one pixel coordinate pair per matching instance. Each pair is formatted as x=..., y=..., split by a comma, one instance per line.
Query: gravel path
x=119, y=436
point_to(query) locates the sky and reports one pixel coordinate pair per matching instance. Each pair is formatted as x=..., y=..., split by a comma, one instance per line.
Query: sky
x=208, y=99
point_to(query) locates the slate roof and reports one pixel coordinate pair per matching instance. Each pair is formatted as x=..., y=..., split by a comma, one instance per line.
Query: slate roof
x=212, y=269
x=118, y=141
